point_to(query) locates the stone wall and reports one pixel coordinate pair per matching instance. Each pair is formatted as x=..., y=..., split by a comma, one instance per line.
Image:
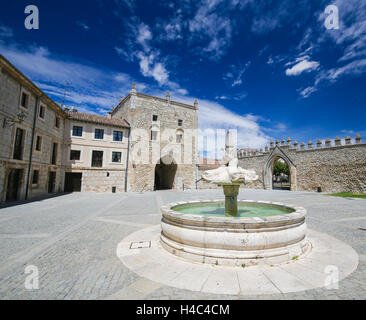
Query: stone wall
x=335, y=167
x=102, y=181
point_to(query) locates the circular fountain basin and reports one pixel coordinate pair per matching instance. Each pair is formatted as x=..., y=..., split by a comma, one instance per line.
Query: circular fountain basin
x=263, y=233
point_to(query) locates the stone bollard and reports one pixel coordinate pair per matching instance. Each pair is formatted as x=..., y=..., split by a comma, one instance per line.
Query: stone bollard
x=319, y=144
x=310, y=145
x=296, y=145
x=358, y=138
x=337, y=141
x=328, y=142
x=348, y=140
x=302, y=146
x=289, y=142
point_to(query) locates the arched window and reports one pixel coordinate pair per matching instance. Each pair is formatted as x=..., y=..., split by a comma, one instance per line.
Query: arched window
x=179, y=136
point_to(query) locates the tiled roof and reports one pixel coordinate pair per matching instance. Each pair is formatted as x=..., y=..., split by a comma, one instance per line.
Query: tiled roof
x=93, y=118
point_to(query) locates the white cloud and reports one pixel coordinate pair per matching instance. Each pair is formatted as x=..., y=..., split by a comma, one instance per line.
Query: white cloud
x=82, y=25
x=237, y=97
x=207, y=24
x=150, y=68
x=6, y=32
x=236, y=73
x=303, y=65
x=144, y=35
x=305, y=93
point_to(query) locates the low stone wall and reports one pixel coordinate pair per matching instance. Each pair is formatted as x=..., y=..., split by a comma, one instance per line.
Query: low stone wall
x=99, y=181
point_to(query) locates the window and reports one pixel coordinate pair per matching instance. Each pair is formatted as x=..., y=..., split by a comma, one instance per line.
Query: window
x=155, y=117
x=77, y=131
x=180, y=123
x=54, y=153
x=97, y=159
x=18, y=144
x=179, y=138
x=42, y=110
x=116, y=156
x=38, y=143
x=99, y=133
x=117, y=135
x=154, y=135
x=35, y=176
x=57, y=122
x=24, y=100
x=75, y=155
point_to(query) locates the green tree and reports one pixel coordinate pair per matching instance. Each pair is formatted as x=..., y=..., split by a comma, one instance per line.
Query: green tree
x=280, y=167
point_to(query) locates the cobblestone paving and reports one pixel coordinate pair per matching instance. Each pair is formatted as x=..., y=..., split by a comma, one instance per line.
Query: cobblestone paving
x=72, y=240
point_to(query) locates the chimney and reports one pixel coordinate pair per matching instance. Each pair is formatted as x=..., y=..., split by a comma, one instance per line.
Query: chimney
x=66, y=109
x=74, y=110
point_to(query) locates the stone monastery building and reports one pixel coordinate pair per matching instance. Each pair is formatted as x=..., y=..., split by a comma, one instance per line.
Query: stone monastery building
x=145, y=143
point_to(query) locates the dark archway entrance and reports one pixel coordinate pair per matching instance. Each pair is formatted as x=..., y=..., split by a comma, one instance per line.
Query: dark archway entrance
x=165, y=172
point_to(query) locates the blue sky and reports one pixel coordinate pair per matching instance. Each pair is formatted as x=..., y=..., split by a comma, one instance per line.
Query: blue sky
x=267, y=68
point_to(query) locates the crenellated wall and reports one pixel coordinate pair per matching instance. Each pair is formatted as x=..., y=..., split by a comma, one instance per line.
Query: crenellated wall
x=335, y=166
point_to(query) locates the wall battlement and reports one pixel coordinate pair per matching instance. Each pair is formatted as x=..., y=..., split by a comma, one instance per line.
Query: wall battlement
x=296, y=147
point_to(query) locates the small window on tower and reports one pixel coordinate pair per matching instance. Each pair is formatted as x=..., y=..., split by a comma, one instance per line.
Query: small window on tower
x=42, y=110
x=180, y=123
x=155, y=117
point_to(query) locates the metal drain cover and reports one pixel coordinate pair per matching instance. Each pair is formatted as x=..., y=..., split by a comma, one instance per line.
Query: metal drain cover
x=140, y=245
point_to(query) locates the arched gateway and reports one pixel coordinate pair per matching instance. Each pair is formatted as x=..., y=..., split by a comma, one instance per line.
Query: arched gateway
x=165, y=171
x=278, y=153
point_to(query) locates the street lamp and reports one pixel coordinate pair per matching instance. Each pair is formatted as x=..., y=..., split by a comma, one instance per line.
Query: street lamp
x=10, y=122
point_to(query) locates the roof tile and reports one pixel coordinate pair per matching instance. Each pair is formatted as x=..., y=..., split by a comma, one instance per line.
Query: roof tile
x=88, y=117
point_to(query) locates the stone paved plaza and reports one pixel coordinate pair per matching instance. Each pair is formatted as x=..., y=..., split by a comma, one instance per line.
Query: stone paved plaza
x=72, y=240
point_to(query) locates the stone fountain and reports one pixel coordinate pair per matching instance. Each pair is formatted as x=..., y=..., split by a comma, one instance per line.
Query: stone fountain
x=233, y=232
x=230, y=176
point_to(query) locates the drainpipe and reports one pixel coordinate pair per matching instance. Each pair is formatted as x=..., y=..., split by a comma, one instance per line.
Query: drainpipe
x=128, y=154
x=31, y=146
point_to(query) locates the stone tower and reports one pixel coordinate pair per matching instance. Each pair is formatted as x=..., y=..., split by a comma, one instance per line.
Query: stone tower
x=163, y=141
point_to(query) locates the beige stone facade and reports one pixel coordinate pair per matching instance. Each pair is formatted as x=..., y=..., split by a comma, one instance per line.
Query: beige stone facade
x=163, y=142
x=112, y=142
x=27, y=114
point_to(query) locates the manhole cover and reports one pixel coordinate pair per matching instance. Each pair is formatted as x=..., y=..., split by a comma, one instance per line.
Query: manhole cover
x=140, y=245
